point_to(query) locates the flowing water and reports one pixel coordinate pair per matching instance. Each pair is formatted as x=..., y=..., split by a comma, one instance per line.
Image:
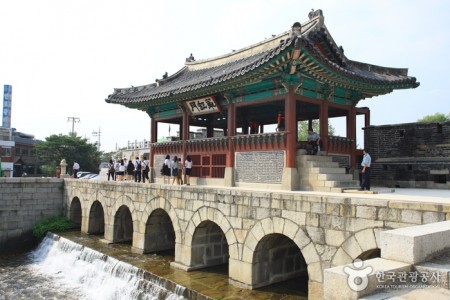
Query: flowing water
x=62, y=269
x=68, y=268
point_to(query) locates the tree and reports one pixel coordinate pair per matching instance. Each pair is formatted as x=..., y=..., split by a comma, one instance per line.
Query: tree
x=437, y=117
x=71, y=148
x=303, y=129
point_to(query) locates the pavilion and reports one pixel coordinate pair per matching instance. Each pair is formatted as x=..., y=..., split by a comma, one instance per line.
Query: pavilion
x=302, y=74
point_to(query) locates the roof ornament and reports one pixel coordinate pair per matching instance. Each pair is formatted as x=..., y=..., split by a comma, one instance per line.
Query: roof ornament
x=190, y=58
x=317, y=14
x=296, y=29
x=165, y=76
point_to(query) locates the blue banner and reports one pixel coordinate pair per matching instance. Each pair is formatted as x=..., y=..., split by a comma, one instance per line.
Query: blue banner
x=7, y=95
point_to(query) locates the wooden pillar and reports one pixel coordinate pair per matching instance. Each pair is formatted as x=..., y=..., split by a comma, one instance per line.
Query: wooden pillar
x=324, y=124
x=185, y=134
x=367, y=118
x=153, y=139
x=230, y=161
x=351, y=134
x=231, y=130
x=290, y=114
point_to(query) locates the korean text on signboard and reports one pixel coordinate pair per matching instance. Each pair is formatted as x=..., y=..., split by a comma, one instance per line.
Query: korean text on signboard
x=6, y=116
x=202, y=106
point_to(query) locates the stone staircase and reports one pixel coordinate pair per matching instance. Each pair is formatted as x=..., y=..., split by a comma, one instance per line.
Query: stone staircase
x=320, y=173
x=416, y=260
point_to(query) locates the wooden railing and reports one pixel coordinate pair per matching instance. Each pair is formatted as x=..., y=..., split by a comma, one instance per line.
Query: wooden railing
x=167, y=147
x=212, y=145
x=338, y=144
x=260, y=142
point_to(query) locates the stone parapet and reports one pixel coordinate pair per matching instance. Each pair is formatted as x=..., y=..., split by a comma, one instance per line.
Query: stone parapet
x=23, y=202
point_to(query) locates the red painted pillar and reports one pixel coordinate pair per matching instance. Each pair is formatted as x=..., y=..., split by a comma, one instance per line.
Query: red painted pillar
x=324, y=124
x=351, y=134
x=153, y=139
x=290, y=119
x=185, y=134
x=231, y=130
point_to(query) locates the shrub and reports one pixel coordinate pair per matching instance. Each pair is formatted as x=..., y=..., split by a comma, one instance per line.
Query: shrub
x=56, y=223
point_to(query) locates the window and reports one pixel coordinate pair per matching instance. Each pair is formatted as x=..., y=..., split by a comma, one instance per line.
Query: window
x=6, y=151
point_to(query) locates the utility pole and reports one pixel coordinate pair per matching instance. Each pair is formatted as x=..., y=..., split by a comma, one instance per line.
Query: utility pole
x=99, y=134
x=74, y=120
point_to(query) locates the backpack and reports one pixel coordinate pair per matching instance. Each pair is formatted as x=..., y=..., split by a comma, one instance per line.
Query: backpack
x=111, y=168
x=138, y=165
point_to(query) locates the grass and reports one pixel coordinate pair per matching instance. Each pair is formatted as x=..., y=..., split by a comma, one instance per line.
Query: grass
x=55, y=223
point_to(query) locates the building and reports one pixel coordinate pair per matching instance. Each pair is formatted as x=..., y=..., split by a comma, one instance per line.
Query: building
x=18, y=153
x=410, y=155
x=298, y=75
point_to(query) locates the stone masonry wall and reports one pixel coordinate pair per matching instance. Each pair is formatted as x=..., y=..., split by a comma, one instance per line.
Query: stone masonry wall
x=328, y=229
x=23, y=202
x=409, y=152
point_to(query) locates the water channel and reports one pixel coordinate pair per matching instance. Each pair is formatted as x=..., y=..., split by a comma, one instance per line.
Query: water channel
x=74, y=265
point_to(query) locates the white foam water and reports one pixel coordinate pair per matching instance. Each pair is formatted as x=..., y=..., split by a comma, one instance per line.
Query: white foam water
x=96, y=275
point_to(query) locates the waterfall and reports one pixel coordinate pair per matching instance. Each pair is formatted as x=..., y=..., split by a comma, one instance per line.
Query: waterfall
x=99, y=276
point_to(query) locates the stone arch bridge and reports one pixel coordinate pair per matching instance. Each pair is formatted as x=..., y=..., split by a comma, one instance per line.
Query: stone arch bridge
x=264, y=236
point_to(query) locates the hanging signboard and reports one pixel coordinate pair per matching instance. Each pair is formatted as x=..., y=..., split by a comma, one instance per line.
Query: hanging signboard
x=6, y=116
x=200, y=106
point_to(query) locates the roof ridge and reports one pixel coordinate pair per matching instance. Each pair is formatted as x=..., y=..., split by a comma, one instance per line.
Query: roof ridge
x=254, y=49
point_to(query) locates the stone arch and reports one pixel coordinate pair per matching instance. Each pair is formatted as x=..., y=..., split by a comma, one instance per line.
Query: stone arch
x=123, y=225
x=159, y=232
x=96, y=219
x=209, y=246
x=129, y=203
x=361, y=243
x=214, y=215
x=277, y=258
x=161, y=203
x=75, y=212
x=290, y=230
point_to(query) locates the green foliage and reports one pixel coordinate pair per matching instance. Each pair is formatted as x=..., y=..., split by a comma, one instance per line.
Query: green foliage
x=437, y=117
x=72, y=148
x=303, y=129
x=56, y=223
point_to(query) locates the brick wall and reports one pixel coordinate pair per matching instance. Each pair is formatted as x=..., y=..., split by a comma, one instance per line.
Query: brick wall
x=23, y=202
x=412, y=152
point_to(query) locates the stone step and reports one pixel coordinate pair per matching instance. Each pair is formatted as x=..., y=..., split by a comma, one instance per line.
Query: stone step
x=321, y=170
x=313, y=164
x=342, y=184
x=335, y=177
x=436, y=275
x=305, y=158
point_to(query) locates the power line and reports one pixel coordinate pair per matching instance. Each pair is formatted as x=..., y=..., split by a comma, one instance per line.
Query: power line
x=74, y=120
x=98, y=134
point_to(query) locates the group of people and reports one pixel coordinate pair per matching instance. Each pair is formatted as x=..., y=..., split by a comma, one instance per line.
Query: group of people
x=174, y=168
x=129, y=170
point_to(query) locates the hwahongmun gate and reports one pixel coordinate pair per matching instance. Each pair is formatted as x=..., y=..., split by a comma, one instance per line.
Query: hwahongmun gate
x=265, y=237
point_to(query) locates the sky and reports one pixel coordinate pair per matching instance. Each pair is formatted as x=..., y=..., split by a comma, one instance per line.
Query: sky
x=63, y=58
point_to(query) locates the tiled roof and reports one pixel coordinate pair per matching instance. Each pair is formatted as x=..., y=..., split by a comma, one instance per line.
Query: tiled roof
x=329, y=59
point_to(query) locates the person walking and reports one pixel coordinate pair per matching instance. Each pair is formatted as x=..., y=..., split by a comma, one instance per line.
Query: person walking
x=180, y=171
x=365, y=172
x=130, y=170
x=76, y=168
x=187, y=170
x=175, y=170
x=167, y=166
x=145, y=170
x=313, y=141
x=137, y=169
x=121, y=172
x=111, y=170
